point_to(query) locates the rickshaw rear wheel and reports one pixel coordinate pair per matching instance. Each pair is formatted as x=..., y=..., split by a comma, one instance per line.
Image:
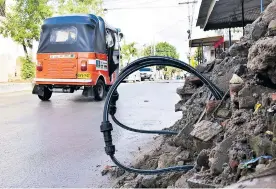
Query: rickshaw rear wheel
x=47, y=94
x=99, y=90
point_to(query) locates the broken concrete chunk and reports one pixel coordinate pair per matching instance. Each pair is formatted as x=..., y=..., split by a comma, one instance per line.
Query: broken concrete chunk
x=165, y=160
x=223, y=113
x=262, y=56
x=149, y=181
x=240, y=69
x=247, y=102
x=221, y=155
x=262, y=146
x=239, y=49
x=236, y=79
x=199, y=183
x=203, y=158
x=194, y=80
x=211, y=105
x=182, y=182
x=259, y=30
x=273, y=96
x=272, y=28
x=206, y=130
x=180, y=106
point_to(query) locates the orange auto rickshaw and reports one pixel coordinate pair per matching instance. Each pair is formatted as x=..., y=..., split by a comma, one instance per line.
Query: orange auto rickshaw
x=77, y=52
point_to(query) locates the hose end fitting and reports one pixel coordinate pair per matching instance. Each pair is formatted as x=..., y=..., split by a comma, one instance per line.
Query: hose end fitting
x=112, y=107
x=106, y=128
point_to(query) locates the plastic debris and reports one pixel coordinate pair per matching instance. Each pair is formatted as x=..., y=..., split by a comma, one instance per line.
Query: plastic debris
x=257, y=107
x=248, y=164
x=272, y=109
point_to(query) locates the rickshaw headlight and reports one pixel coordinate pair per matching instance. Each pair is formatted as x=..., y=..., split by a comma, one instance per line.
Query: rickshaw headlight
x=83, y=65
x=39, y=66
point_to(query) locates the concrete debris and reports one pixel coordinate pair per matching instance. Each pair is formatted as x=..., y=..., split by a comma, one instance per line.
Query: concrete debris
x=272, y=28
x=199, y=183
x=239, y=49
x=221, y=155
x=223, y=113
x=218, y=142
x=202, y=159
x=182, y=182
x=194, y=80
x=236, y=79
x=228, y=67
x=211, y=105
x=262, y=56
x=206, y=130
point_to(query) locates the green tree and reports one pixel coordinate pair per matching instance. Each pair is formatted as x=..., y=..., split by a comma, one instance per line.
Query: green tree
x=128, y=51
x=2, y=7
x=198, y=54
x=79, y=6
x=24, y=20
x=162, y=49
x=22, y=24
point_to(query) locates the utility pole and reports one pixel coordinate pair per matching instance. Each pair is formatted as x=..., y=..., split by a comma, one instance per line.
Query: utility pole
x=191, y=19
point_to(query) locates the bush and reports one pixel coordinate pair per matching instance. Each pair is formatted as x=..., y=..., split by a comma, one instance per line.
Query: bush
x=28, y=68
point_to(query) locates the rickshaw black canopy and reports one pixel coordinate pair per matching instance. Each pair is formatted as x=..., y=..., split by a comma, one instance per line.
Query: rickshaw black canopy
x=74, y=33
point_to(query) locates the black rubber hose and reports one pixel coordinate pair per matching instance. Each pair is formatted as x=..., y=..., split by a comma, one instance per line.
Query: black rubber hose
x=187, y=68
x=161, y=132
x=112, y=110
x=106, y=126
x=150, y=172
x=151, y=61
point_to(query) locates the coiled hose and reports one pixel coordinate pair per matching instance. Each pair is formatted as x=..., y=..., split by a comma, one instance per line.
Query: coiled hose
x=110, y=107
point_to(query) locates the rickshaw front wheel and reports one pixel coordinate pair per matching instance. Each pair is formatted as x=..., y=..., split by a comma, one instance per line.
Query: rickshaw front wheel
x=47, y=94
x=99, y=90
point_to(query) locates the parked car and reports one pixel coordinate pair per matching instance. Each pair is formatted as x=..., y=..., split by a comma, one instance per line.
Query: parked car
x=135, y=76
x=147, y=73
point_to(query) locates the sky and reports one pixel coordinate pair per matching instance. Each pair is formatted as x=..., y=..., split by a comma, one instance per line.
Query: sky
x=145, y=25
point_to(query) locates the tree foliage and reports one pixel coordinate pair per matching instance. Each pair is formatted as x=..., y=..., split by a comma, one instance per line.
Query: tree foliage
x=80, y=6
x=162, y=49
x=198, y=54
x=129, y=51
x=28, y=68
x=2, y=7
x=23, y=22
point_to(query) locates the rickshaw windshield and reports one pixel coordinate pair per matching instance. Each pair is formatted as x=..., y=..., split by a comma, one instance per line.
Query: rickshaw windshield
x=64, y=35
x=71, y=38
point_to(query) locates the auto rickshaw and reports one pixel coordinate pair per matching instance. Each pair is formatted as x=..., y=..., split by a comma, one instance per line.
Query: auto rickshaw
x=77, y=52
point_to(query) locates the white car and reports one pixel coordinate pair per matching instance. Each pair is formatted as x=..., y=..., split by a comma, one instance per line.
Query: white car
x=133, y=77
x=147, y=73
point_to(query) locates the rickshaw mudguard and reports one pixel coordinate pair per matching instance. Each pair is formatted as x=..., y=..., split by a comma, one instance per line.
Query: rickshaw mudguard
x=38, y=90
x=88, y=91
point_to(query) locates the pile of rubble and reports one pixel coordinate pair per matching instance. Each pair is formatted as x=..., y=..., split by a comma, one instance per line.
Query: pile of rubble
x=226, y=140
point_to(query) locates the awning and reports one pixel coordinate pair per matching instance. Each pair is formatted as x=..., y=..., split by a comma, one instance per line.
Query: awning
x=219, y=14
x=214, y=41
x=208, y=41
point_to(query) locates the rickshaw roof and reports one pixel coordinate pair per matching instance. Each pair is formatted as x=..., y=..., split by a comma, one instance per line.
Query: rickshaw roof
x=85, y=19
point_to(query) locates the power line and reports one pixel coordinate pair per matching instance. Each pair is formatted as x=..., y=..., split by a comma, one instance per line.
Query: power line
x=155, y=7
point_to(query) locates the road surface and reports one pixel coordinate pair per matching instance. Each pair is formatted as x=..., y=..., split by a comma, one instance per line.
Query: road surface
x=59, y=143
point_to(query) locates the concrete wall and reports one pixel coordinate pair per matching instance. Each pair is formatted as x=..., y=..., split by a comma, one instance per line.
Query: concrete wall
x=9, y=53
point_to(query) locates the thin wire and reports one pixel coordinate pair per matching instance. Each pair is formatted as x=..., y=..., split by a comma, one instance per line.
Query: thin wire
x=156, y=7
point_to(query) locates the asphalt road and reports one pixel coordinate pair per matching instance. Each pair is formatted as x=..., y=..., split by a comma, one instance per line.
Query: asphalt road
x=59, y=143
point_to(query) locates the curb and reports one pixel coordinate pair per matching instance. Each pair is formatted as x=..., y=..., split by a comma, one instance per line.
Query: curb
x=14, y=87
